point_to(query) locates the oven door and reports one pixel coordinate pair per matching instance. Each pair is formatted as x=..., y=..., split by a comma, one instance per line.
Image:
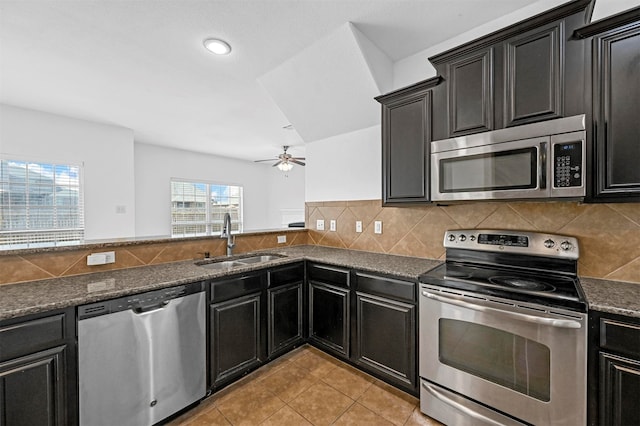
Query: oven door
x=505, y=170
x=527, y=361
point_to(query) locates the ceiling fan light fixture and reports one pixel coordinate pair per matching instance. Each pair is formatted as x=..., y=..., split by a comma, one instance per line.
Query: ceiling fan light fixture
x=285, y=167
x=217, y=46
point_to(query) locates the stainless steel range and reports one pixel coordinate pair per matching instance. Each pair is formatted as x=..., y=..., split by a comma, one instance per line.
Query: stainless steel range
x=503, y=331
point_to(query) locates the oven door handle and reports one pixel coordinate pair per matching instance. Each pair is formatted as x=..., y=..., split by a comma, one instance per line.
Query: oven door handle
x=554, y=322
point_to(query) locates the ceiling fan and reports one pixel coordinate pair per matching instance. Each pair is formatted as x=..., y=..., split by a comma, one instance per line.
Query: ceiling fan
x=285, y=161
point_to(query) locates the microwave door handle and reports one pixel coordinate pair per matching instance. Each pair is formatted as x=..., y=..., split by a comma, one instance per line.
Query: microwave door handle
x=542, y=166
x=554, y=322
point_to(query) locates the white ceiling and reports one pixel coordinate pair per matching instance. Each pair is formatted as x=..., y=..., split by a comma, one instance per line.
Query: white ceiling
x=140, y=63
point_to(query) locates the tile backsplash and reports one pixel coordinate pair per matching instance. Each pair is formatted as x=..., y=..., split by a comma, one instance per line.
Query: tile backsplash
x=50, y=264
x=609, y=234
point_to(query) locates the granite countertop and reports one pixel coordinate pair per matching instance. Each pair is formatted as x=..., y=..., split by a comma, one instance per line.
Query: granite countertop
x=21, y=299
x=614, y=297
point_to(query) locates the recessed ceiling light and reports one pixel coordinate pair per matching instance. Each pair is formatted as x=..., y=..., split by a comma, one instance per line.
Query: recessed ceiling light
x=217, y=46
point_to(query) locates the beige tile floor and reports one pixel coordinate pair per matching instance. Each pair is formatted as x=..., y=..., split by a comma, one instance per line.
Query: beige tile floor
x=307, y=387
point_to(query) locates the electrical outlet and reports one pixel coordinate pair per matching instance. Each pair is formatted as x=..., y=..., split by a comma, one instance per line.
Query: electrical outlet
x=358, y=226
x=282, y=239
x=332, y=225
x=377, y=227
x=320, y=224
x=101, y=258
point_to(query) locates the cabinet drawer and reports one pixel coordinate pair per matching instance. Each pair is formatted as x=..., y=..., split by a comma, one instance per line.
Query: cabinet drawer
x=621, y=337
x=237, y=286
x=387, y=287
x=30, y=336
x=330, y=275
x=286, y=275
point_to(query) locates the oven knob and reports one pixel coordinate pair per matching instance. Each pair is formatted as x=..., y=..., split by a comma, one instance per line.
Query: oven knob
x=472, y=238
x=462, y=237
x=452, y=237
x=566, y=245
x=549, y=243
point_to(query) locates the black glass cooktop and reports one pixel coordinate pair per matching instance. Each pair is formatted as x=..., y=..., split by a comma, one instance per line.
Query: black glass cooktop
x=549, y=289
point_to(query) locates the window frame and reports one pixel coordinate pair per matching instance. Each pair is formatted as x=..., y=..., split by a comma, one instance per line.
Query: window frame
x=208, y=223
x=50, y=236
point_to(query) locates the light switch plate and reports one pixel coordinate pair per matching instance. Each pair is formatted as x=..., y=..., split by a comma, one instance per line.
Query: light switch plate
x=332, y=225
x=320, y=224
x=377, y=227
x=282, y=239
x=358, y=226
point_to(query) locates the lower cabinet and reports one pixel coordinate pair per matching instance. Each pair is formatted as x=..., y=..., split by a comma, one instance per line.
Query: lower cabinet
x=286, y=308
x=614, y=364
x=237, y=327
x=386, y=329
x=37, y=371
x=329, y=308
x=329, y=317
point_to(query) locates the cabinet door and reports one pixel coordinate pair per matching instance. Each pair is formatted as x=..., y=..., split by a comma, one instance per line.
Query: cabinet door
x=386, y=339
x=329, y=317
x=616, y=100
x=619, y=390
x=471, y=93
x=32, y=389
x=285, y=317
x=405, y=149
x=236, y=337
x=533, y=76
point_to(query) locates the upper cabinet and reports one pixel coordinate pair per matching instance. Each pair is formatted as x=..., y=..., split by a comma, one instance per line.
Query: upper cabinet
x=406, y=137
x=615, y=106
x=513, y=76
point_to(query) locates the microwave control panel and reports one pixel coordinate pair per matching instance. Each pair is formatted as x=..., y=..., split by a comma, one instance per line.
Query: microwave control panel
x=567, y=164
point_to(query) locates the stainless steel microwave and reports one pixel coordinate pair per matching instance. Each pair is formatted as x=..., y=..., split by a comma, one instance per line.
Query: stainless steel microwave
x=532, y=161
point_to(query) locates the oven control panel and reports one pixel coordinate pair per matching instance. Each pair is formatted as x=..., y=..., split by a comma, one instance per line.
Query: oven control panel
x=506, y=241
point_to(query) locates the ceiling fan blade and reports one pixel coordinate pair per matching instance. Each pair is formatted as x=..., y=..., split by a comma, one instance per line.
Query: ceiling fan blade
x=298, y=158
x=277, y=163
x=295, y=161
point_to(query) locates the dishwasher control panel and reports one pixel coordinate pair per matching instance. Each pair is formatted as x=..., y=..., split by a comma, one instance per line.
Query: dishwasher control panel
x=139, y=303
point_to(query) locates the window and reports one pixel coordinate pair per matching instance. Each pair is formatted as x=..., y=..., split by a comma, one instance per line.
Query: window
x=198, y=208
x=41, y=205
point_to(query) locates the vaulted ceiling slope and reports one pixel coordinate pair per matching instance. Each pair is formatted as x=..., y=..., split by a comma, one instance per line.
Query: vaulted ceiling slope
x=140, y=64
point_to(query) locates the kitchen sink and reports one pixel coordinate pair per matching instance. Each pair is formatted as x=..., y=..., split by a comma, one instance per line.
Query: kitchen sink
x=259, y=259
x=237, y=262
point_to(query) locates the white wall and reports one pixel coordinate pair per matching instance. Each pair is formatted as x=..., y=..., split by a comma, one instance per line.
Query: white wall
x=155, y=166
x=345, y=167
x=105, y=151
x=286, y=195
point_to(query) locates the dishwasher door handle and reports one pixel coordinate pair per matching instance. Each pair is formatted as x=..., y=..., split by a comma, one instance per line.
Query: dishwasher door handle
x=143, y=309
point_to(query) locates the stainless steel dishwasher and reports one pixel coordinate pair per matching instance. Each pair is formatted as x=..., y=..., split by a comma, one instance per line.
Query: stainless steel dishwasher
x=141, y=358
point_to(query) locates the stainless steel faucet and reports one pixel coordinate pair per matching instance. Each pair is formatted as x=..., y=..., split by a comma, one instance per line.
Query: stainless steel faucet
x=226, y=233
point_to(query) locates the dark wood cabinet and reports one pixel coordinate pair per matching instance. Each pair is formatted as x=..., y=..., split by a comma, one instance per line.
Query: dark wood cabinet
x=534, y=75
x=615, y=98
x=286, y=308
x=329, y=310
x=237, y=319
x=386, y=316
x=406, y=135
x=470, y=93
x=614, y=370
x=37, y=371
x=513, y=76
